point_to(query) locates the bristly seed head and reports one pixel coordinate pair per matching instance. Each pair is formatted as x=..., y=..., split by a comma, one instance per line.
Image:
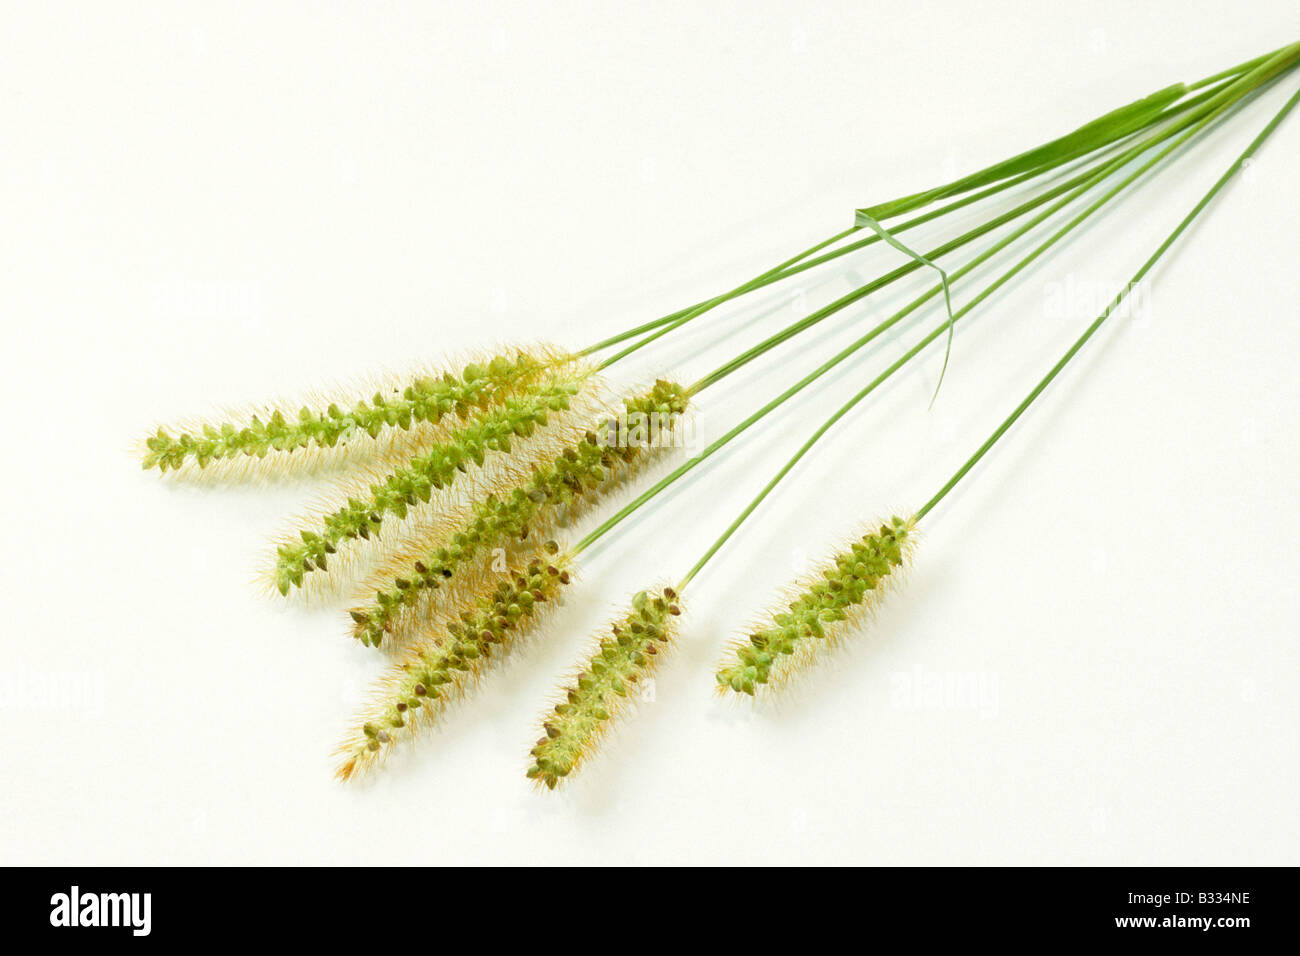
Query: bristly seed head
x=525, y=512
x=616, y=667
x=851, y=581
x=428, y=399
x=443, y=667
x=435, y=469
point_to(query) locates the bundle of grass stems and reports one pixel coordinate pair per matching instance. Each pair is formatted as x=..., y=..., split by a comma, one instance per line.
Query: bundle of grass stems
x=454, y=485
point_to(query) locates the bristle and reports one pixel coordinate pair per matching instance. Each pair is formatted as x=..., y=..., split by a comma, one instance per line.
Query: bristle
x=301, y=438
x=363, y=514
x=618, y=664
x=576, y=477
x=400, y=570
x=329, y=581
x=390, y=448
x=444, y=668
x=821, y=610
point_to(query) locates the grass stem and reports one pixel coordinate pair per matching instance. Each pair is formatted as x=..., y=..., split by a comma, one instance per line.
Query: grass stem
x=966, y=309
x=1166, y=105
x=1106, y=313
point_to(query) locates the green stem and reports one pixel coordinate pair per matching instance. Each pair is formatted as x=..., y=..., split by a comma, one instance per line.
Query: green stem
x=1116, y=124
x=644, y=327
x=861, y=292
x=804, y=260
x=1094, y=176
x=1097, y=323
x=698, y=310
x=925, y=342
x=1235, y=71
x=1198, y=120
x=1195, y=109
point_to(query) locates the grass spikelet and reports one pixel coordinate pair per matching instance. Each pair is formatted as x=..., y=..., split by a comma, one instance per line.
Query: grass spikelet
x=300, y=437
x=573, y=478
x=821, y=611
x=617, y=665
x=432, y=674
x=365, y=512
x=445, y=511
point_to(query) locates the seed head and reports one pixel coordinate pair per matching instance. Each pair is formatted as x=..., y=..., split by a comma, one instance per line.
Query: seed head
x=389, y=498
x=821, y=610
x=444, y=666
x=619, y=664
x=568, y=482
x=400, y=416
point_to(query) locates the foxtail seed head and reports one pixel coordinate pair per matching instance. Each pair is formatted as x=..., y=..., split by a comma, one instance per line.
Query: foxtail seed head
x=851, y=583
x=431, y=674
x=575, y=476
x=283, y=437
x=414, y=483
x=619, y=663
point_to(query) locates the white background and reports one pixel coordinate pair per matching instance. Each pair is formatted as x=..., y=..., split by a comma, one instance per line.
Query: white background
x=205, y=205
